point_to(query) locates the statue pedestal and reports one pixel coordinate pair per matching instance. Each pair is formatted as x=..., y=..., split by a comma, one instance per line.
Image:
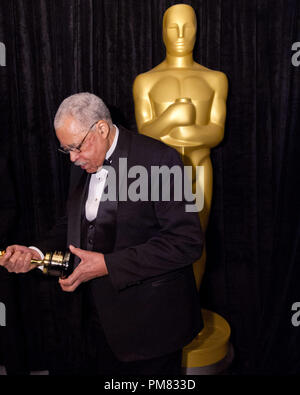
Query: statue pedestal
x=210, y=352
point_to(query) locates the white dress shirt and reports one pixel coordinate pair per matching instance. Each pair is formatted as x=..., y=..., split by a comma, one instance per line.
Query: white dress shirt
x=97, y=183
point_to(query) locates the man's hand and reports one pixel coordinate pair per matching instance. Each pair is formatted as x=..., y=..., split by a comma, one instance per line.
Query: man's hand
x=92, y=265
x=17, y=259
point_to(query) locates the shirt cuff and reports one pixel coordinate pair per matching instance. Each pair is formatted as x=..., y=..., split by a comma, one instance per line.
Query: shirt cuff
x=41, y=255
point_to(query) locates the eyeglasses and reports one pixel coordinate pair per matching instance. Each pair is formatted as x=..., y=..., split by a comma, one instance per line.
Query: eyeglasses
x=78, y=148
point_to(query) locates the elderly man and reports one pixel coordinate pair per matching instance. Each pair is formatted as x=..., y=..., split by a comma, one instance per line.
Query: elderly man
x=135, y=256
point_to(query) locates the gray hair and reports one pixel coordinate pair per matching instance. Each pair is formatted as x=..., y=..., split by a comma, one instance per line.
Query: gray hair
x=85, y=107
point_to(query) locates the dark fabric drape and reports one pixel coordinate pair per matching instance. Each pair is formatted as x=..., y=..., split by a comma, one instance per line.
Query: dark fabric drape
x=57, y=48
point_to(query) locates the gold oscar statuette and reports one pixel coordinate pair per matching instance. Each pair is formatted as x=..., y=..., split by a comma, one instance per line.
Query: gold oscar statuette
x=183, y=104
x=57, y=263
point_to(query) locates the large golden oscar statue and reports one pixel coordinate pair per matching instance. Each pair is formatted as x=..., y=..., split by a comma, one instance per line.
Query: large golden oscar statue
x=183, y=104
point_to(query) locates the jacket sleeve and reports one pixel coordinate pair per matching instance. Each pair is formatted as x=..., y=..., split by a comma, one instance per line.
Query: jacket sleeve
x=178, y=242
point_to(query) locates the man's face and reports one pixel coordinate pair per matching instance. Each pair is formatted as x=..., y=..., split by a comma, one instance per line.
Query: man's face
x=93, y=150
x=179, y=31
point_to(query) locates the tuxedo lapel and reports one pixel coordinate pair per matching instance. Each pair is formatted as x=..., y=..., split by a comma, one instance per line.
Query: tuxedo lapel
x=121, y=152
x=107, y=211
x=75, y=211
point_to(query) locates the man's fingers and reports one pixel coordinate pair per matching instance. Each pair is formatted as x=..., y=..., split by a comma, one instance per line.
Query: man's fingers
x=69, y=281
x=15, y=247
x=27, y=262
x=69, y=288
x=14, y=258
x=17, y=262
x=7, y=254
x=10, y=250
x=77, y=251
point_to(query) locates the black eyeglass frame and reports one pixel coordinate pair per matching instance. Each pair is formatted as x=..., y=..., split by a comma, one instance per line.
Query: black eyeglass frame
x=78, y=148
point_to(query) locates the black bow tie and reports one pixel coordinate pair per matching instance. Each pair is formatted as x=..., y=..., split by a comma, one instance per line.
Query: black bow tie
x=107, y=162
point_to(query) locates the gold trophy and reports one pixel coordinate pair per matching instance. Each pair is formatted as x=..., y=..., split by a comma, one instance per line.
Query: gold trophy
x=57, y=263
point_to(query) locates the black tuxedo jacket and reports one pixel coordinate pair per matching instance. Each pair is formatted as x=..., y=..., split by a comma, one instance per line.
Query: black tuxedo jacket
x=148, y=304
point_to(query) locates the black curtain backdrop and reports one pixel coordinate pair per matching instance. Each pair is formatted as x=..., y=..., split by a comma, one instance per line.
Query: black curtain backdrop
x=59, y=47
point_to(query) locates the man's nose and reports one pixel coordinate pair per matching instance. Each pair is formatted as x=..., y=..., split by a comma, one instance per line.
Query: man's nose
x=73, y=156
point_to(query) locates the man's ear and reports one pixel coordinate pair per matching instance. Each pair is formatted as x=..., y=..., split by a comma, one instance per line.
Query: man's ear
x=103, y=128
